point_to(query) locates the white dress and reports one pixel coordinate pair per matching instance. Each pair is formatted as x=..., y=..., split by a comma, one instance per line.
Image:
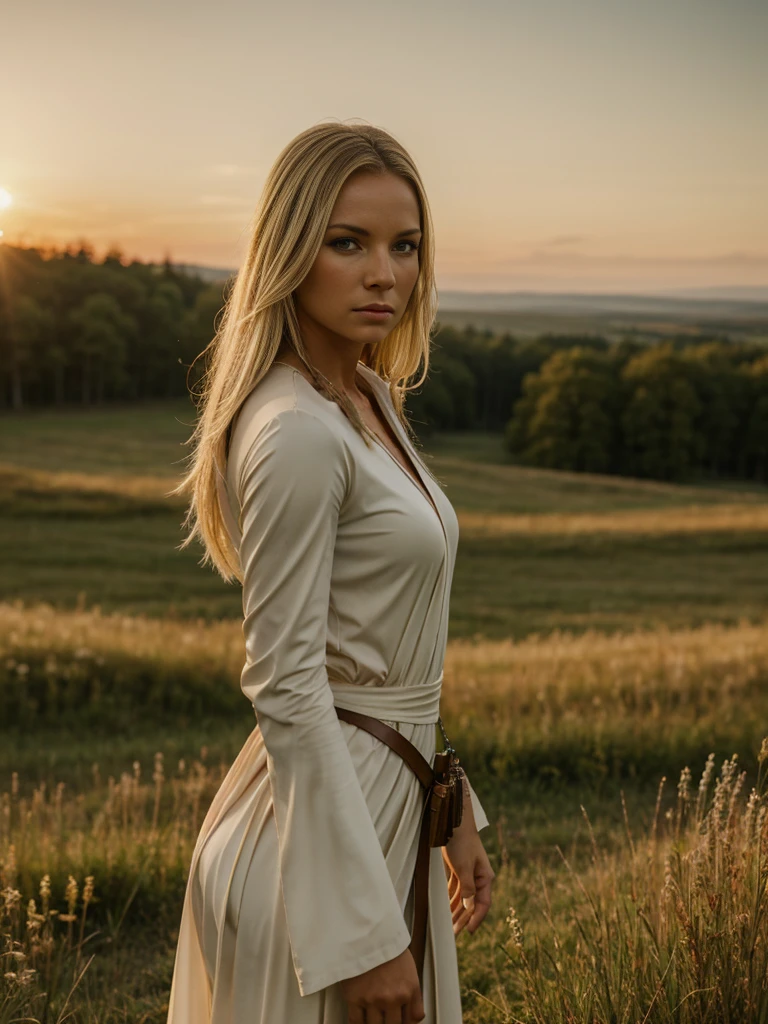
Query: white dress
x=302, y=871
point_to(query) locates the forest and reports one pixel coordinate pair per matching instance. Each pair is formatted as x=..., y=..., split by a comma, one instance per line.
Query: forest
x=77, y=332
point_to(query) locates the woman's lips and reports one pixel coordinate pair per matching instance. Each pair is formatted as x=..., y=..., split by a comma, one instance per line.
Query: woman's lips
x=374, y=314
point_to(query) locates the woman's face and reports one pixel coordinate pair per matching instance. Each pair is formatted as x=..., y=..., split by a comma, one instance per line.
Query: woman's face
x=369, y=255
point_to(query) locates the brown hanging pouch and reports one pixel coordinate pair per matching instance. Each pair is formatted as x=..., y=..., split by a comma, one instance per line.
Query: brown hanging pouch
x=445, y=802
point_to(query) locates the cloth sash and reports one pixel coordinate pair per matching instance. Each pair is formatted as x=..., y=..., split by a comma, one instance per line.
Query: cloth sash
x=418, y=704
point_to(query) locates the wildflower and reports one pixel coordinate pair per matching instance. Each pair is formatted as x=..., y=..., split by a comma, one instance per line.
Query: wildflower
x=516, y=931
x=33, y=918
x=684, y=785
x=668, y=889
x=749, y=814
x=706, y=778
x=71, y=894
x=11, y=899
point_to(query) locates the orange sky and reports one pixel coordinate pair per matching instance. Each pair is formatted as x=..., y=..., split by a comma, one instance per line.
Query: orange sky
x=572, y=147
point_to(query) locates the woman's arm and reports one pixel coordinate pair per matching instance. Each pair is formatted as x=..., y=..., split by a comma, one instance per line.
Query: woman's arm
x=341, y=906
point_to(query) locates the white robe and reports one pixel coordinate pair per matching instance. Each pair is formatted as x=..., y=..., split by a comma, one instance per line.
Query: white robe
x=301, y=874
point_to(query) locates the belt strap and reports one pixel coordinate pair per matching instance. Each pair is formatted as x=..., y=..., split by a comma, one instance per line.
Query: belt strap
x=423, y=771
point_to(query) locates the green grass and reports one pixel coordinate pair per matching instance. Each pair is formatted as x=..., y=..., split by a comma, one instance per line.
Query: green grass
x=119, y=550
x=516, y=586
x=124, y=439
x=508, y=586
x=478, y=475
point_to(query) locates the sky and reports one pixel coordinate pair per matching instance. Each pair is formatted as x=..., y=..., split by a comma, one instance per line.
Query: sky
x=565, y=145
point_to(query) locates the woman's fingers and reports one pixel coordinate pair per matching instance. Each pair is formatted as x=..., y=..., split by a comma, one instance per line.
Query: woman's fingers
x=461, y=911
x=482, y=903
x=471, y=910
x=454, y=886
x=454, y=896
x=461, y=919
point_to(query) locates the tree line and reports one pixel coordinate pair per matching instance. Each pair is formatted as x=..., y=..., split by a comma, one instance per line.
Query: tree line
x=76, y=331
x=691, y=407
x=663, y=413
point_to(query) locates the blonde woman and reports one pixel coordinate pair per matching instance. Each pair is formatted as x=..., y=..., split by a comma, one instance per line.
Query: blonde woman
x=306, y=486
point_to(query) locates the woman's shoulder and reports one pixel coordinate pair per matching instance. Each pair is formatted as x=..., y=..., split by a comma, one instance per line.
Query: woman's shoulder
x=284, y=411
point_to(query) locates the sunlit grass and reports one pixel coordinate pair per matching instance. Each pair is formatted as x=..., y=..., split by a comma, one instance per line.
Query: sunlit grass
x=667, y=924
x=670, y=927
x=560, y=706
x=116, y=854
x=650, y=523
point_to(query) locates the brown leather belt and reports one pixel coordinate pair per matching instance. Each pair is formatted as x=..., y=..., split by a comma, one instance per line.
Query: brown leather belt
x=423, y=771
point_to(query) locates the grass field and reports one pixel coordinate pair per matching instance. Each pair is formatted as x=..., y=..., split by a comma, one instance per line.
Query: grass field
x=610, y=631
x=84, y=517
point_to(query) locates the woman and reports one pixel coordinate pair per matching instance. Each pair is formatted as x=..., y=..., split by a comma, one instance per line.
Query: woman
x=299, y=905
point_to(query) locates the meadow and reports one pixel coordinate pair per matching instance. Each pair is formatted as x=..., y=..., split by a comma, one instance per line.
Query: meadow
x=606, y=682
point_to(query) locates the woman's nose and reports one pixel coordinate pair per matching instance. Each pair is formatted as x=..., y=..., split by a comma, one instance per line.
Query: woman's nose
x=379, y=270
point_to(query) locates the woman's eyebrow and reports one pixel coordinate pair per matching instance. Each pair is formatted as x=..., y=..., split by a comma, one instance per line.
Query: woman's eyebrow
x=362, y=231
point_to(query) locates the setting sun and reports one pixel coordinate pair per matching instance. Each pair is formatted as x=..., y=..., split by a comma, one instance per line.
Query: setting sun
x=5, y=198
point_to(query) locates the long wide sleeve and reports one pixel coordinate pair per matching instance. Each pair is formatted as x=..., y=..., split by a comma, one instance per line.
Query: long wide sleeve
x=341, y=906
x=481, y=818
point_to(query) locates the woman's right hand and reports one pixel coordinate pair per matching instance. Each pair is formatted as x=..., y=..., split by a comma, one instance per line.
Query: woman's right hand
x=387, y=994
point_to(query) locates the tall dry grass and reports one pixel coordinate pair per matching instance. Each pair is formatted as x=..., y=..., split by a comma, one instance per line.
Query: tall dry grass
x=671, y=929
x=662, y=929
x=633, y=705
x=117, y=851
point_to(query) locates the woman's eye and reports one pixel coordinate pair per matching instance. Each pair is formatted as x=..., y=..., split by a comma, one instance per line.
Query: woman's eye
x=336, y=241
x=335, y=244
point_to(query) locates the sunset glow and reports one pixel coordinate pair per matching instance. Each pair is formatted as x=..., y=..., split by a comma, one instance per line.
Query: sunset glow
x=563, y=146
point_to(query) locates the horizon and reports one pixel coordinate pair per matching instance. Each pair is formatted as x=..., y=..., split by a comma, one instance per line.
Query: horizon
x=715, y=294
x=570, y=150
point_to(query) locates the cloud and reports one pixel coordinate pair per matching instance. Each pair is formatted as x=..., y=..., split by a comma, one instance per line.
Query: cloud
x=614, y=260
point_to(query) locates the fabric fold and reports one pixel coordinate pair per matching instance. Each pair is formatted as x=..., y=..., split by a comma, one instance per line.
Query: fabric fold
x=293, y=484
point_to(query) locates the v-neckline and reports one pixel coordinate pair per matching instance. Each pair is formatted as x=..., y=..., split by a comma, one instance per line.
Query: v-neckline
x=424, y=490
x=397, y=431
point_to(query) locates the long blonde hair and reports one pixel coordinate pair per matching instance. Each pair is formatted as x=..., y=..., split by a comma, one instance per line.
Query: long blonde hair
x=259, y=313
